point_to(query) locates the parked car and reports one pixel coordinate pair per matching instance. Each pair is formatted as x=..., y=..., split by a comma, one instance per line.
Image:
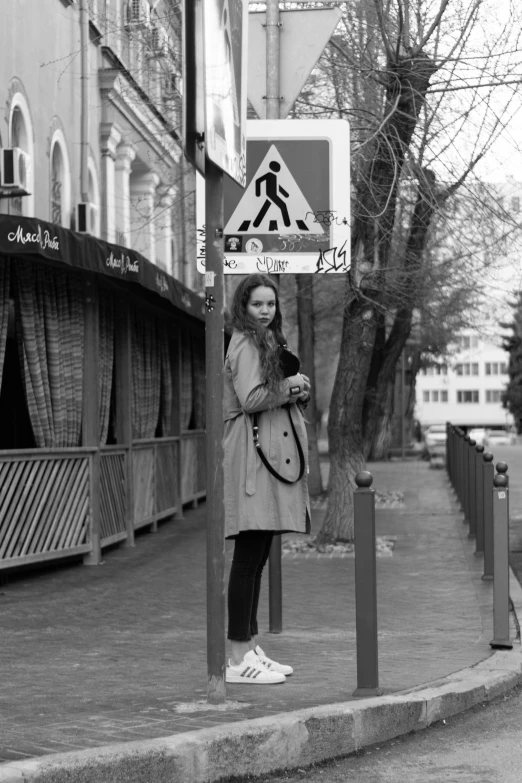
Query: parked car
x=478, y=434
x=499, y=438
x=435, y=436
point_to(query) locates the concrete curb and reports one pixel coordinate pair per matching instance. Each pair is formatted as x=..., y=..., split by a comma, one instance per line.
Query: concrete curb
x=285, y=741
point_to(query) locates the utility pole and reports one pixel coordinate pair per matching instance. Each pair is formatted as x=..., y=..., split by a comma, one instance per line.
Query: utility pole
x=273, y=97
x=273, y=43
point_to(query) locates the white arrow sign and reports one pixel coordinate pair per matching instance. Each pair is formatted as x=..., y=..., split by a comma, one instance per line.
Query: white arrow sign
x=304, y=35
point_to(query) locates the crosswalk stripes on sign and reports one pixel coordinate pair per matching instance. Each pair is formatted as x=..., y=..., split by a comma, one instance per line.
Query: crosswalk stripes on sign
x=273, y=202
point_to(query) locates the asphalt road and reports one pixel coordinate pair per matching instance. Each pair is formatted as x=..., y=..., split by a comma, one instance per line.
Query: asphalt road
x=483, y=745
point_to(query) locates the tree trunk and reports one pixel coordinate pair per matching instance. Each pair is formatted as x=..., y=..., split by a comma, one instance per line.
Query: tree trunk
x=372, y=231
x=305, y=320
x=345, y=418
x=383, y=436
x=376, y=410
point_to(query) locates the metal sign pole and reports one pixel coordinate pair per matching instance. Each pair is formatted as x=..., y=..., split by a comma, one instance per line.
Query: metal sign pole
x=214, y=349
x=273, y=26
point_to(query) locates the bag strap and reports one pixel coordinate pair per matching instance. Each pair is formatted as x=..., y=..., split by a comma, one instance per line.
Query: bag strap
x=266, y=463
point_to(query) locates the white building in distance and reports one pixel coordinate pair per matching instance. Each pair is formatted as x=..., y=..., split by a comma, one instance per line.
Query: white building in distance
x=468, y=391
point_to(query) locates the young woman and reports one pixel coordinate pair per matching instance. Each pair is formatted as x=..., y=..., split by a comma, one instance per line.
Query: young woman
x=265, y=463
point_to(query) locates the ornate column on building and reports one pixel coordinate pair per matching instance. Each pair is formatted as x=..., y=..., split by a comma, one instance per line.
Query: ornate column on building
x=163, y=228
x=125, y=154
x=110, y=138
x=143, y=197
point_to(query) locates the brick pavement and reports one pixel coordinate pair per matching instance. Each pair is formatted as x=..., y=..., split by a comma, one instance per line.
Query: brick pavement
x=92, y=656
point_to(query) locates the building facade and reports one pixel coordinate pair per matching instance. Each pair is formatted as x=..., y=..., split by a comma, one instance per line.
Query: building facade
x=102, y=393
x=467, y=389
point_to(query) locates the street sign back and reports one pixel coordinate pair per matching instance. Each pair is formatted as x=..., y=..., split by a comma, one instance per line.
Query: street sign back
x=225, y=34
x=304, y=35
x=294, y=213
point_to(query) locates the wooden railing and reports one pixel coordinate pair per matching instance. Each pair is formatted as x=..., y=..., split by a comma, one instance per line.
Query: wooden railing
x=193, y=465
x=46, y=496
x=45, y=500
x=112, y=494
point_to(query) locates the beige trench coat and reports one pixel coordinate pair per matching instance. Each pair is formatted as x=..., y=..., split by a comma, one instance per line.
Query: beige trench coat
x=254, y=499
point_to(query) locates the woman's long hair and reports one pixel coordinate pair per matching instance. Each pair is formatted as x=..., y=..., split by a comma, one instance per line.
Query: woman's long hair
x=267, y=339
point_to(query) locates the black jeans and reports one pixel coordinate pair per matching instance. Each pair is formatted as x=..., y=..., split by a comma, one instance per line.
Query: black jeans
x=251, y=551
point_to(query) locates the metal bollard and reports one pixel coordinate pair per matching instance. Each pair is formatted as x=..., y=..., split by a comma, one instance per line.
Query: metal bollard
x=487, y=499
x=465, y=478
x=447, y=461
x=479, y=500
x=463, y=447
x=275, y=587
x=501, y=563
x=472, y=497
x=365, y=587
x=460, y=472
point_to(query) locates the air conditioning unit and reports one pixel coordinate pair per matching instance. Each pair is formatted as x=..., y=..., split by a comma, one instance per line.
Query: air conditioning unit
x=160, y=42
x=86, y=217
x=138, y=14
x=14, y=168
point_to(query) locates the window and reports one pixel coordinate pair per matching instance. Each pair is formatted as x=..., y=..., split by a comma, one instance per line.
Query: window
x=465, y=396
x=493, y=368
x=21, y=135
x=60, y=184
x=515, y=204
x=56, y=186
x=444, y=396
x=425, y=396
x=503, y=368
x=434, y=396
x=466, y=342
x=443, y=369
x=493, y=395
x=94, y=198
x=467, y=368
x=474, y=341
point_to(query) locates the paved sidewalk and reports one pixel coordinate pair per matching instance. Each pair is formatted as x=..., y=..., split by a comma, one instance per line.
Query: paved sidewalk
x=117, y=653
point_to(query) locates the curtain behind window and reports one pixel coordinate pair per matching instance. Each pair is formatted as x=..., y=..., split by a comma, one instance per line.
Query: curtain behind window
x=5, y=276
x=50, y=335
x=186, y=381
x=198, y=381
x=167, y=386
x=146, y=375
x=106, y=360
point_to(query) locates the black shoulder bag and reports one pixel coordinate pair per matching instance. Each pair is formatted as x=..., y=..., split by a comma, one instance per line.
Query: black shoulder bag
x=290, y=365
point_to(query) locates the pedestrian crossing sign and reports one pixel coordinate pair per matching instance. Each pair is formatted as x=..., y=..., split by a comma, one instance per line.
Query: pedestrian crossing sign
x=294, y=213
x=273, y=203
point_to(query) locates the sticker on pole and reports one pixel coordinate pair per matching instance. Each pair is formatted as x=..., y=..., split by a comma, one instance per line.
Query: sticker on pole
x=294, y=214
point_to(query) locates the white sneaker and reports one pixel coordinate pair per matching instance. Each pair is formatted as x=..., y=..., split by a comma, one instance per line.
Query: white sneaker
x=252, y=672
x=271, y=665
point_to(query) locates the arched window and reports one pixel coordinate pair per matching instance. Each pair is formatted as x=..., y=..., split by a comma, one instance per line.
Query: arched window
x=60, y=182
x=21, y=135
x=94, y=197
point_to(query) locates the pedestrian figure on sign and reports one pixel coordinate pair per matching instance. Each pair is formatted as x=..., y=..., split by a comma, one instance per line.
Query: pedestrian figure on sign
x=266, y=450
x=272, y=189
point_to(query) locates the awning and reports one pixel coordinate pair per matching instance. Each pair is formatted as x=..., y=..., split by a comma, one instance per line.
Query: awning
x=31, y=237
